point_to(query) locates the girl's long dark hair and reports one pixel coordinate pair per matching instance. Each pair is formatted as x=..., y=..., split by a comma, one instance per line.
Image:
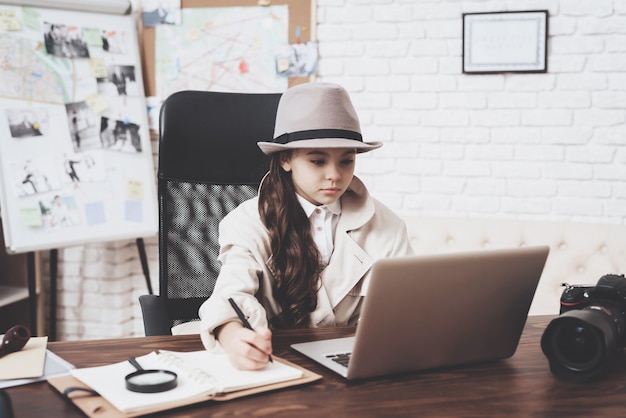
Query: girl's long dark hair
x=295, y=257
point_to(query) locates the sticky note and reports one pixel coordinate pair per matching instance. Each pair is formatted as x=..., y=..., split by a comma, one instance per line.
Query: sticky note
x=97, y=103
x=8, y=20
x=98, y=68
x=133, y=210
x=30, y=18
x=134, y=190
x=92, y=36
x=31, y=217
x=282, y=65
x=94, y=212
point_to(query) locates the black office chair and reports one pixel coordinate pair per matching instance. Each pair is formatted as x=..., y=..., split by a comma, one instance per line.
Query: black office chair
x=208, y=164
x=6, y=407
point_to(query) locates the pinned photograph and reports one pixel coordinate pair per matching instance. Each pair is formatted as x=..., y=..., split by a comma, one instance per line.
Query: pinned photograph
x=83, y=167
x=114, y=41
x=120, y=82
x=297, y=60
x=65, y=41
x=27, y=122
x=120, y=135
x=161, y=12
x=34, y=176
x=84, y=126
x=59, y=212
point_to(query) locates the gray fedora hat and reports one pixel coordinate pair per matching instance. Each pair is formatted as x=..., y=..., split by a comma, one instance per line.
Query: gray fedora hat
x=316, y=115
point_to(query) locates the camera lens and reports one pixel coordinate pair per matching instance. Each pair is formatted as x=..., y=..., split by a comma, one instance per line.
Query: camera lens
x=580, y=344
x=577, y=346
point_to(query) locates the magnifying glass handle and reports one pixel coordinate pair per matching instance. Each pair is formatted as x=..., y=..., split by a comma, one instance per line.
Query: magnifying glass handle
x=134, y=362
x=14, y=339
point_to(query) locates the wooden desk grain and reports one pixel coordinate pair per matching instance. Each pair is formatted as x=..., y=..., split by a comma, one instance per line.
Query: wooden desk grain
x=519, y=386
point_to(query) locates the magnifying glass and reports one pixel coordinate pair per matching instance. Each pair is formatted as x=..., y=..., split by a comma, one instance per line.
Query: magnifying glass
x=151, y=380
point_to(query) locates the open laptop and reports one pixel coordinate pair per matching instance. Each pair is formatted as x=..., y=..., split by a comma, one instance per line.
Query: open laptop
x=427, y=312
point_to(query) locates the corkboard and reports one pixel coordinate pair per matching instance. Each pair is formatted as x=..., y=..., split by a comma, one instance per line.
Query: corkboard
x=301, y=14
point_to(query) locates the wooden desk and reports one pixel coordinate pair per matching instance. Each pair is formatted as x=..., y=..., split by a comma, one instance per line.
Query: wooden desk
x=519, y=386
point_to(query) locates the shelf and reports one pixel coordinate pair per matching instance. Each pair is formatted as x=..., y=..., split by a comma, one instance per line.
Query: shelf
x=12, y=294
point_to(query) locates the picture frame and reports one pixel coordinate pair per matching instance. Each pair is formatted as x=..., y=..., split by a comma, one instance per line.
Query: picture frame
x=505, y=42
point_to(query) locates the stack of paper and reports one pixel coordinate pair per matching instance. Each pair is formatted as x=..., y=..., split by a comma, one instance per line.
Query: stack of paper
x=32, y=363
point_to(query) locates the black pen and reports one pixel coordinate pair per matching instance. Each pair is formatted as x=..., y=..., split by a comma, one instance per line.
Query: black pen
x=243, y=319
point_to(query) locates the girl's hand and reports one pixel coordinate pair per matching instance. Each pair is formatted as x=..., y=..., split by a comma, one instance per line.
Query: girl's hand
x=247, y=349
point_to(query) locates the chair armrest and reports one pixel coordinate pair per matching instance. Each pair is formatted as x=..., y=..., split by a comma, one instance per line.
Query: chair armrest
x=156, y=321
x=6, y=407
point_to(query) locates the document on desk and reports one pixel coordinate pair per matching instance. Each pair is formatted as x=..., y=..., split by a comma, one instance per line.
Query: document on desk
x=33, y=363
x=201, y=376
x=54, y=366
x=25, y=363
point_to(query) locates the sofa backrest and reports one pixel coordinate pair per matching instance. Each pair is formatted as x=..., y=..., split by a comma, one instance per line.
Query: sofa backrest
x=580, y=253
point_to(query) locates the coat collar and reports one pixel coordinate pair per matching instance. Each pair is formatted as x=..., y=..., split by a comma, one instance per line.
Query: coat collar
x=357, y=206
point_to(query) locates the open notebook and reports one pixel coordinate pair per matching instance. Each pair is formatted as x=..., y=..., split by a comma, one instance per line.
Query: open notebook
x=201, y=375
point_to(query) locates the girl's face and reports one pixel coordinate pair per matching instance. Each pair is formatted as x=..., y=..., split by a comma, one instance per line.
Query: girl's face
x=320, y=175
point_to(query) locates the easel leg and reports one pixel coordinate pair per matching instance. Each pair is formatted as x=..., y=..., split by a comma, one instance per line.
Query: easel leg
x=54, y=259
x=32, y=291
x=144, y=263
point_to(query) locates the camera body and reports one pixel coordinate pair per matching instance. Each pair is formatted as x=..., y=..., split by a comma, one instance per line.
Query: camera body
x=589, y=335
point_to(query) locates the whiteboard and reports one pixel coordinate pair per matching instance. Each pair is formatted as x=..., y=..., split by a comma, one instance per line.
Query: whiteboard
x=76, y=163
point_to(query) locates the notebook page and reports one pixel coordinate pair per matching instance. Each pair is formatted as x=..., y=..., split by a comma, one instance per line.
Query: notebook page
x=109, y=382
x=227, y=377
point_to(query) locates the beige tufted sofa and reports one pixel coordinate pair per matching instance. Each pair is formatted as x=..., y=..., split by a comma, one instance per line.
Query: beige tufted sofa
x=580, y=253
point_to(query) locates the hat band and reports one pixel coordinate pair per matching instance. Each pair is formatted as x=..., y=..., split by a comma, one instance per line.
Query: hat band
x=317, y=134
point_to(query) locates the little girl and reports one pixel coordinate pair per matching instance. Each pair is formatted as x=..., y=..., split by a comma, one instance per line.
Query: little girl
x=299, y=254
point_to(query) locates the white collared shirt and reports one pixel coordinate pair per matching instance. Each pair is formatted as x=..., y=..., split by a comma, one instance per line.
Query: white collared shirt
x=324, y=220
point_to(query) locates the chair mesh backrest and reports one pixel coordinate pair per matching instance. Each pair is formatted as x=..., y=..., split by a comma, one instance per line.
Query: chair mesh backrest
x=208, y=164
x=192, y=213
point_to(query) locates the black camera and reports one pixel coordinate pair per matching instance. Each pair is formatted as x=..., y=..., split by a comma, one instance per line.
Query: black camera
x=589, y=335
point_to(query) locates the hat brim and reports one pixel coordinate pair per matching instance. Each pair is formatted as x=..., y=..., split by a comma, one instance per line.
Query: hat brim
x=360, y=147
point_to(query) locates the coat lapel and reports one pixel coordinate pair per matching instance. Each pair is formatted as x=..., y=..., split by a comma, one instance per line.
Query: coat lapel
x=349, y=262
x=339, y=278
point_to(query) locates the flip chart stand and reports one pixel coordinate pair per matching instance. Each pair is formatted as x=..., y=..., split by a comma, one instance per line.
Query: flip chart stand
x=144, y=263
x=32, y=291
x=54, y=263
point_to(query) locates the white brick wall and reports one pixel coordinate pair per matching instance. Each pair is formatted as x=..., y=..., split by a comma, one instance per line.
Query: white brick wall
x=541, y=146
x=526, y=145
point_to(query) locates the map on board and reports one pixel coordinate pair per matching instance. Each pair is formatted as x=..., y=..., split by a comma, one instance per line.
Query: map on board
x=222, y=49
x=26, y=72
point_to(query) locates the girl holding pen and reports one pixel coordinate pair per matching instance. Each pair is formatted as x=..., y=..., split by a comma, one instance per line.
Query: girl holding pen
x=299, y=254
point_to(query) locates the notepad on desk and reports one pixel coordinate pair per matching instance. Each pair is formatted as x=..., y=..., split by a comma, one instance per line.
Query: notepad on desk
x=26, y=363
x=201, y=376
x=54, y=366
x=33, y=363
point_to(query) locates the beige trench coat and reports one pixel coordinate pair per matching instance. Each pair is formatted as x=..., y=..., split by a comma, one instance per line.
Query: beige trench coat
x=367, y=231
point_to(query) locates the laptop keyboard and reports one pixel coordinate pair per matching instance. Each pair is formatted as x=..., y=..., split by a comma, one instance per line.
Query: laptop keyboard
x=342, y=358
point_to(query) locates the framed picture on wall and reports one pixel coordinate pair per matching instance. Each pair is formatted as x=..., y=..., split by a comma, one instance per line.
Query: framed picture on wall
x=499, y=42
